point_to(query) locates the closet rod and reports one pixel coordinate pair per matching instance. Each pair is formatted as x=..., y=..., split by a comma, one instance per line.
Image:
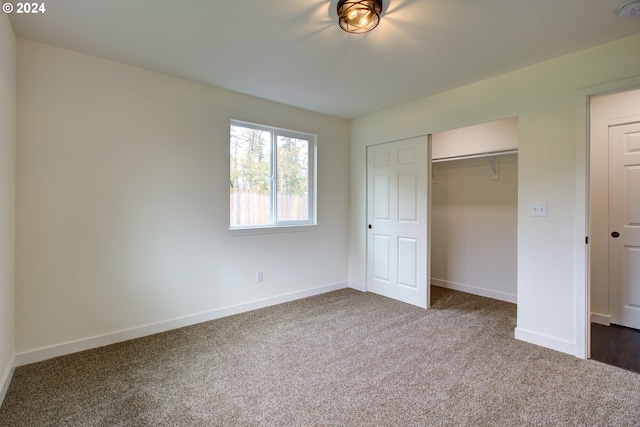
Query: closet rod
x=475, y=156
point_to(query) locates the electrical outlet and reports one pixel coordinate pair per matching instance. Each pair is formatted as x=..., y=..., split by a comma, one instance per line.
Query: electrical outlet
x=259, y=276
x=538, y=209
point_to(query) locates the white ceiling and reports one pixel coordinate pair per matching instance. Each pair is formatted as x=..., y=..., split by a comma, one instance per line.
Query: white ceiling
x=293, y=52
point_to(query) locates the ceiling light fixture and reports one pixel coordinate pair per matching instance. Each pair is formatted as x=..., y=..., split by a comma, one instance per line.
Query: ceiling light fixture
x=359, y=16
x=630, y=8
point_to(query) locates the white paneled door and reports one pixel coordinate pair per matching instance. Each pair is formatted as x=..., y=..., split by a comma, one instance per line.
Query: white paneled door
x=397, y=195
x=624, y=224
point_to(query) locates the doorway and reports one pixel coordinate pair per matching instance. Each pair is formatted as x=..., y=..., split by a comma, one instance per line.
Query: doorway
x=614, y=294
x=474, y=209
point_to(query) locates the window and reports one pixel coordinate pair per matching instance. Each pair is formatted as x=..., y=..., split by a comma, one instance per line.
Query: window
x=272, y=178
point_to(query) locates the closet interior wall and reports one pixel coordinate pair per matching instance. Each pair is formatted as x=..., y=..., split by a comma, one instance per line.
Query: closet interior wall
x=474, y=211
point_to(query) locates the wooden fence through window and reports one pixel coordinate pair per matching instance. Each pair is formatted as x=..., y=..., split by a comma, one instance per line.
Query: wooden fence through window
x=251, y=208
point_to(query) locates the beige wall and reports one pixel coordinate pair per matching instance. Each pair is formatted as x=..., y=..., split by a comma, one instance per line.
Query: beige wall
x=123, y=214
x=604, y=110
x=7, y=197
x=544, y=97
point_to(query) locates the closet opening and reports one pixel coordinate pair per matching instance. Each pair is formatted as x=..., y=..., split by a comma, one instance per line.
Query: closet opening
x=474, y=209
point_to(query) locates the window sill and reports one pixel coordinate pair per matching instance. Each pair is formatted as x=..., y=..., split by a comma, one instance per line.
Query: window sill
x=272, y=229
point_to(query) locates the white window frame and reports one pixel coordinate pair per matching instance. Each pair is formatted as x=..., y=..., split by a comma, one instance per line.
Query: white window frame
x=282, y=226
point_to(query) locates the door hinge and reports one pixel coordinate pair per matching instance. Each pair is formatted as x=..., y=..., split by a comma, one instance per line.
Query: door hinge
x=586, y=240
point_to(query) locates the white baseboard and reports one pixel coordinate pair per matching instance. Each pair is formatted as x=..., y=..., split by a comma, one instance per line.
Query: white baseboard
x=358, y=286
x=5, y=380
x=546, y=341
x=133, y=333
x=475, y=290
x=601, y=319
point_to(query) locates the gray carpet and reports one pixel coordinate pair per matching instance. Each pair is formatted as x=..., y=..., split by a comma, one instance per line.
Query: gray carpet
x=341, y=359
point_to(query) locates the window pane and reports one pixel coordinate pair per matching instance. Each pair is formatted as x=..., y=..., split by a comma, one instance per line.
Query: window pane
x=250, y=177
x=292, y=179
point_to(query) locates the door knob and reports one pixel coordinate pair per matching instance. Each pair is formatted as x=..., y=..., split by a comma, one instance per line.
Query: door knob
x=370, y=226
x=615, y=234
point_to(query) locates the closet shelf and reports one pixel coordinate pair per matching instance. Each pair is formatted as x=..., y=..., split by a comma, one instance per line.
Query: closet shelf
x=475, y=156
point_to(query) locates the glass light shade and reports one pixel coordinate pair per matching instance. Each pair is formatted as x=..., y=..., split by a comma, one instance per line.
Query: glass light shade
x=359, y=16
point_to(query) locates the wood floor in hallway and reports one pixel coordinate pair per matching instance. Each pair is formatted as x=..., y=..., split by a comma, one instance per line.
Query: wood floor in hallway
x=616, y=345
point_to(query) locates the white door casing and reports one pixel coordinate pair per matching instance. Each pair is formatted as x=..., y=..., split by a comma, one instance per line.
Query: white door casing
x=397, y=201
x=624, y=222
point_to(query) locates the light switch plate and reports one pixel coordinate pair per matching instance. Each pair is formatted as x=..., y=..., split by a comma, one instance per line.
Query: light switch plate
x=538, y=209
